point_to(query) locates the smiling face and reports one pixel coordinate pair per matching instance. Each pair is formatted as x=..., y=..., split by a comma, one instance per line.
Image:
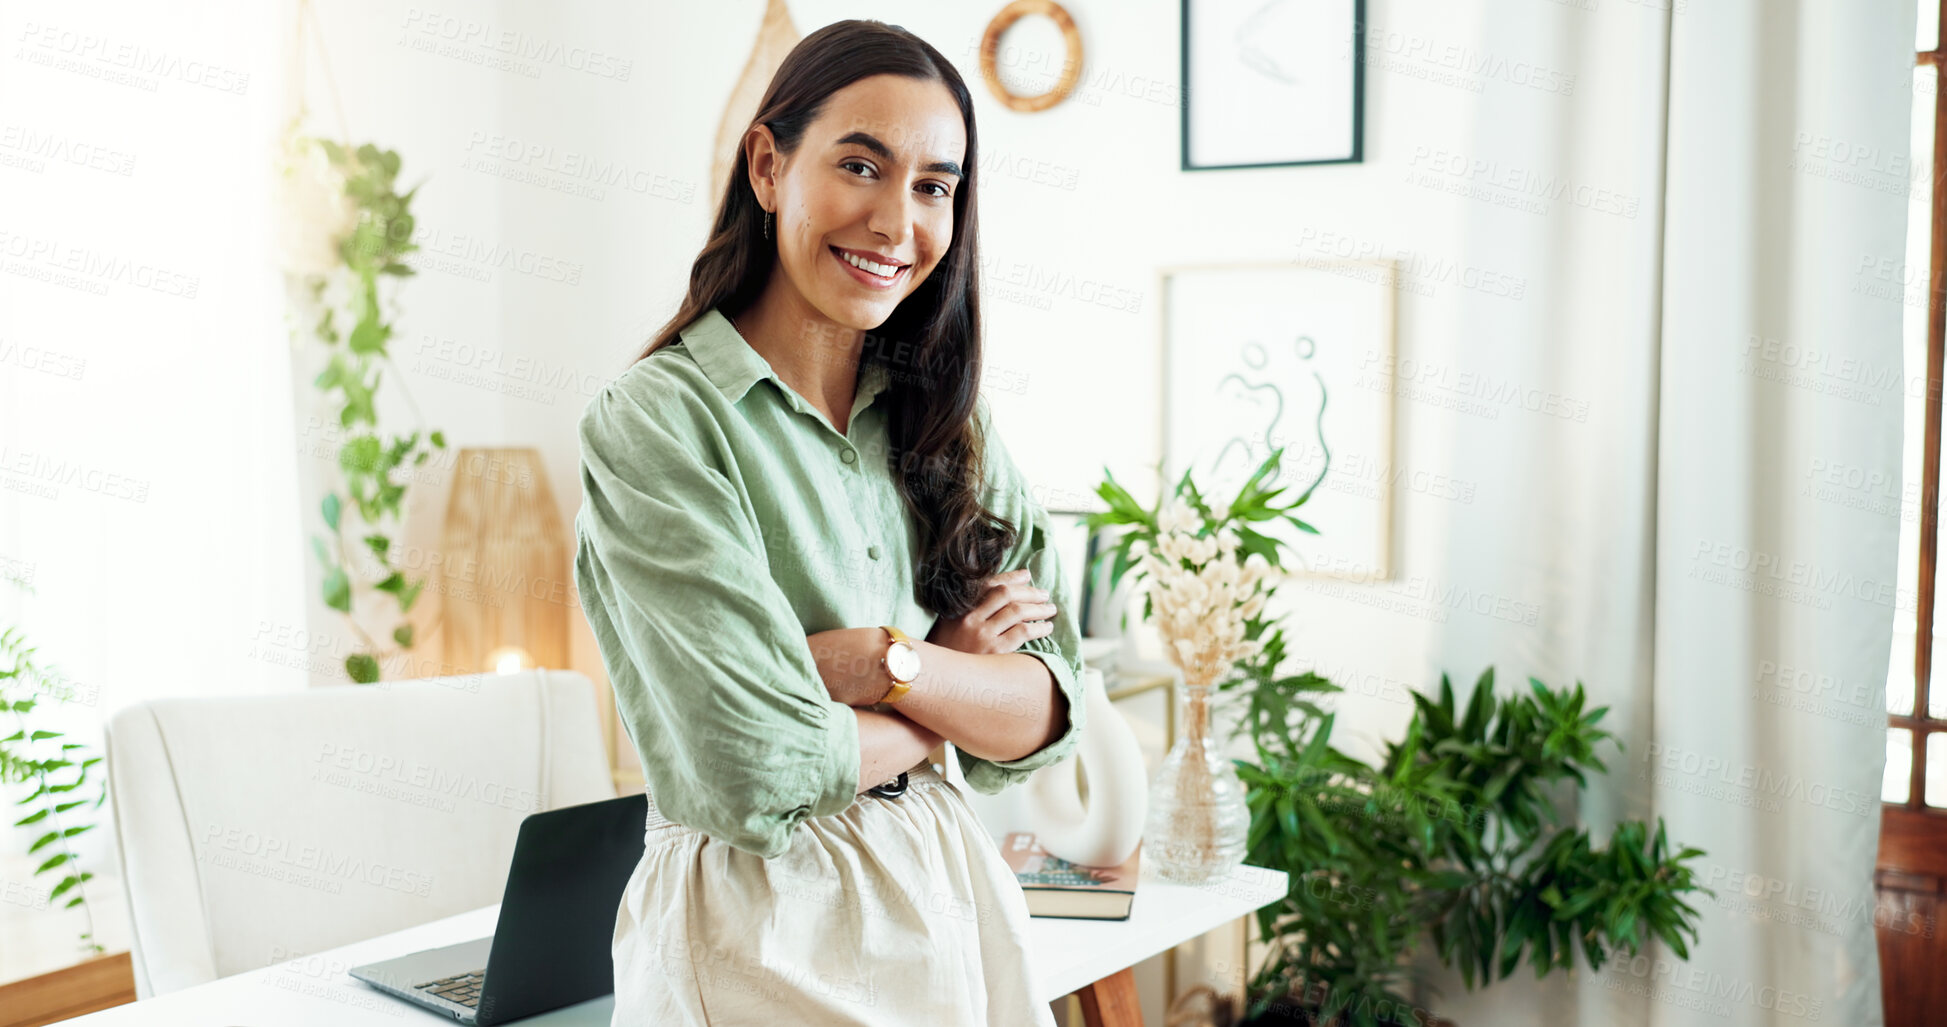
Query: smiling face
x=865, y=205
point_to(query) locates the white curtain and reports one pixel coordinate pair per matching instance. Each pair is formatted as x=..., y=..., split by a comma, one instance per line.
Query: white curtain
x=1769, y=567
x=1680, y=539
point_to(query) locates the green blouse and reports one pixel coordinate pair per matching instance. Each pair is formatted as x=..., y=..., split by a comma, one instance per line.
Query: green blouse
x=724, y=520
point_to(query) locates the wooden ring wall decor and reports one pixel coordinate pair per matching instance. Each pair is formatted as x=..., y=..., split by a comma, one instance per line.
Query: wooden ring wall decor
x=1071, y=68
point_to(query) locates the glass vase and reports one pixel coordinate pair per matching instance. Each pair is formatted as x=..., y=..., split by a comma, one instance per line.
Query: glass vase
x=1198, y=819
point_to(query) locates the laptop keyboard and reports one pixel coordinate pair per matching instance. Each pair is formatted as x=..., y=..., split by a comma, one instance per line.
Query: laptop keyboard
x=463, y=989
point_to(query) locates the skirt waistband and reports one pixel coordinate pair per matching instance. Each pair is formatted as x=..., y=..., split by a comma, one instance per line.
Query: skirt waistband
x=919, y=773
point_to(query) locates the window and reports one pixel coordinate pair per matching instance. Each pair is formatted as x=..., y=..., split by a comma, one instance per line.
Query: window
x=1916, y=685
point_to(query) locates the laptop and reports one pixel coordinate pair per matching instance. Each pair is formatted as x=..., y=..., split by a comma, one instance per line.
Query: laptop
x=551, y=945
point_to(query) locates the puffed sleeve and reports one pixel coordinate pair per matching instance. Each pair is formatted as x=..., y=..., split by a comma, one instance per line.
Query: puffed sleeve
x=712, y=672
x=1060, y=649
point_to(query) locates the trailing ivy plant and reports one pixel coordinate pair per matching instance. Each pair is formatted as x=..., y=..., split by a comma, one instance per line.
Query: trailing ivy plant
x=63, y=792
x=355, y=332
x=1453, y=844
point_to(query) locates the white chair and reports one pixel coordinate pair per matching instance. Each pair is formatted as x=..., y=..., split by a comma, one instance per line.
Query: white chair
x=255, y=829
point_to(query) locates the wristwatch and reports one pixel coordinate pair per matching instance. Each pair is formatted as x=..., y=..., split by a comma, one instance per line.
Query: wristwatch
x=901, y=662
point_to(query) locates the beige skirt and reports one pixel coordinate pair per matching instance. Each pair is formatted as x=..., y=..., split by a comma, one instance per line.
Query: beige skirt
x=895, y=912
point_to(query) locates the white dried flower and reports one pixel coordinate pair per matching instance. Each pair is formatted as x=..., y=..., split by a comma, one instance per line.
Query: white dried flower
x=1203, y=595
x=1178, y=516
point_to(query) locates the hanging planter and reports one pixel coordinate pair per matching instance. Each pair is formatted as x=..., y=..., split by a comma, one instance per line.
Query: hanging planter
x=346, y=233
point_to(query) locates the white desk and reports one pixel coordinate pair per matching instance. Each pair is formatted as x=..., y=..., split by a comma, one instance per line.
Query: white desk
x=316, y=991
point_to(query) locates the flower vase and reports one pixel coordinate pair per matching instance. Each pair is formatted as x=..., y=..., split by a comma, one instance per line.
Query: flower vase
x=1198, y=818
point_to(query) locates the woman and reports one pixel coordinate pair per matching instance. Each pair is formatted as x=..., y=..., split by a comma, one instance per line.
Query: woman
x=795, y=474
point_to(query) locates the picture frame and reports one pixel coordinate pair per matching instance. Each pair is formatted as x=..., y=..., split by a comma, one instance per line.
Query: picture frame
x=1299, y=68
x=1247, y=350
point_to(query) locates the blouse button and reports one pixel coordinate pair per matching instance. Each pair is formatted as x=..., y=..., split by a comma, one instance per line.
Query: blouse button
x=873, y=552
x=847, y=455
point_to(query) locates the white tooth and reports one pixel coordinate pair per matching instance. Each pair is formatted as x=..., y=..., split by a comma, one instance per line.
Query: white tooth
x=882, y=270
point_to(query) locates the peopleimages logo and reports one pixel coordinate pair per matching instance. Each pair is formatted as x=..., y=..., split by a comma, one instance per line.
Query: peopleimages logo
x=425, y=26
x=353, y=762
x=1693, y=987
x=1540, y=188
x=1759, y=896
x=303, y=865
x=1798, y=580
x=1757, y=780
x=1456, y=64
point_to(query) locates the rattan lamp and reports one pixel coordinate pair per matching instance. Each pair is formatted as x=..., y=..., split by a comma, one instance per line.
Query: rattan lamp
x=504, y=576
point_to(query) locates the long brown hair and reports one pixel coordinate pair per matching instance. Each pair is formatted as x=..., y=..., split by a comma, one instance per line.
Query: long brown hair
x=936, y=449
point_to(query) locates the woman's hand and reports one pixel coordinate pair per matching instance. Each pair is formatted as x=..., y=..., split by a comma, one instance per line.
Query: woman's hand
x=1012, y=612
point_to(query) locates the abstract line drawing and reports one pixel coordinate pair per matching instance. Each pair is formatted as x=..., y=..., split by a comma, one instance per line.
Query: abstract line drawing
x=1264, y=356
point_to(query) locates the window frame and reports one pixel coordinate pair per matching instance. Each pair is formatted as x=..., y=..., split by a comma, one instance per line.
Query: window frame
x=1921, y=725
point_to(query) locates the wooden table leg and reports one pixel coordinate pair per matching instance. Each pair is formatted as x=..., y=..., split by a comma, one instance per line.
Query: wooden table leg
x=1111, y=1001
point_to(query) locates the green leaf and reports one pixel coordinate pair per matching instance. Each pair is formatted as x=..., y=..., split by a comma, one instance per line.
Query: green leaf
x=363, y=668
x=1574, y=907
x=1672, y=938
x=1320, y=824
x=53, y=861
x=1499, y=782
x=331, y=511
x=338, y=590
x=360, y=455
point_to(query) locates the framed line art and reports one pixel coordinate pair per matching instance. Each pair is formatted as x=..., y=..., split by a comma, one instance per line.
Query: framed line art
x=1259, y=356
x=1272, y=83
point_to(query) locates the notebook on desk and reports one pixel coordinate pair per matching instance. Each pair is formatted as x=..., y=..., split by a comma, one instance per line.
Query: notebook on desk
x=1055, y=887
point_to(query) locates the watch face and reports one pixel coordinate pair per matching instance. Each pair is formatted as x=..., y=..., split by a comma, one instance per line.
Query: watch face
x=902, y=661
